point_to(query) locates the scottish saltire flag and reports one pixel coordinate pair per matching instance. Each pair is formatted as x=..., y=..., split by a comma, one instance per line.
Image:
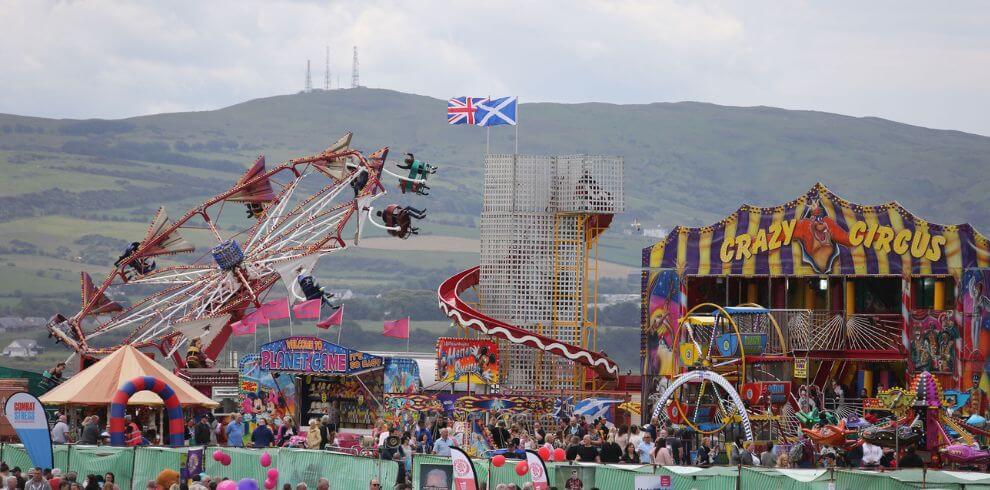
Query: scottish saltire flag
x=462, y=110
x=593, y=408
x=494, y=112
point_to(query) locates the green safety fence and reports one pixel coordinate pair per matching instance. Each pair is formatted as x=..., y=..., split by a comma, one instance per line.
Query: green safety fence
x=134, y=467
x=606, y=476
x=697, y=478
x=786, y=479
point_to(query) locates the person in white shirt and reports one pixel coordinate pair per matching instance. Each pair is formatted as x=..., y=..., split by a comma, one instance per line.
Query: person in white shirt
x=871, y=454
x=60, y=432
x=645, y=449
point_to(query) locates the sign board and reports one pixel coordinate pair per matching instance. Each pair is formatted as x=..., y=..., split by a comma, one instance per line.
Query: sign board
x=459, y=360
x=312, y=355
x=26, y=414
x=654, y=482
x=801, y=368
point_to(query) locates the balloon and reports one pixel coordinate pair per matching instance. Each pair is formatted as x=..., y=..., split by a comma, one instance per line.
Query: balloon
x=226, y=459
x=559, y=454
x=266, y=460
x=247, y=484
x=544, y=453
x=269, y=484
x=498, y=460
x=273, y=474
x=227, y=485
x=218, y=455
x=522, y=468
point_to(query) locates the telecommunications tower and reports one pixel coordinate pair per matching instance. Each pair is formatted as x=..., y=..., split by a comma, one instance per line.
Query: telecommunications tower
x=309, y=79
x=326, y=75
x=355, y=77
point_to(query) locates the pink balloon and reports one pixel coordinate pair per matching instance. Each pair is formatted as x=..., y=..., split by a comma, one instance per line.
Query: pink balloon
x=269, y=485
x=226, y=462
x=227, y=485
x=273, y=474
x=218, y=455
x=266, y=460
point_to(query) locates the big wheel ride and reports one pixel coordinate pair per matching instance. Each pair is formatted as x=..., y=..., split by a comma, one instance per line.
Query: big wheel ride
x=720, y=352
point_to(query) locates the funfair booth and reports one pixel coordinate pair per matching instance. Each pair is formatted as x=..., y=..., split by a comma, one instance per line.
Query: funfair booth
x=819, y=288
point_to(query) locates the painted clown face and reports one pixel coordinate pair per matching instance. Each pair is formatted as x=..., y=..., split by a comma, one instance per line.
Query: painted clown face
x=819, y=238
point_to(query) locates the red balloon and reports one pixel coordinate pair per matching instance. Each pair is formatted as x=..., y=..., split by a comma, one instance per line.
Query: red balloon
x=559, y=454
x=498, y=460
x=270, y=484
x=522, y=468
x=544, y=453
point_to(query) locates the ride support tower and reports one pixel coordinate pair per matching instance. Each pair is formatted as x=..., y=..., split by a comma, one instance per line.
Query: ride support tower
x=540, y=225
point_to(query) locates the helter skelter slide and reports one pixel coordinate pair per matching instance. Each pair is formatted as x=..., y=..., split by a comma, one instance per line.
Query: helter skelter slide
x=537, y=283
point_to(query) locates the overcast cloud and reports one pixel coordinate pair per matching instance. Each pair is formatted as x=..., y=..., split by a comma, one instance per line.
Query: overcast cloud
x=924, y=63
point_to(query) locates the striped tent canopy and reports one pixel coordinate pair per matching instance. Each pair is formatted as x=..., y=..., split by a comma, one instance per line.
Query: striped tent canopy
x=97, y=384
x=820, y=233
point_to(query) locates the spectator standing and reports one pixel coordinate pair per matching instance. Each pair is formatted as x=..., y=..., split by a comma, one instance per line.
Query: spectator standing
x=704, y=452
x=635, y=436
x=91, y=431
x=262, y=435
x=587, y=452
x=235, y=431
x=314, y=439
x=766, y=457
x=610, y=452
x=442, y=445
x=36, y=481
x=60, y=431
x=629, y=455
x=645, y=449
x=202, y=432
x=327, y=431
x=661, y=454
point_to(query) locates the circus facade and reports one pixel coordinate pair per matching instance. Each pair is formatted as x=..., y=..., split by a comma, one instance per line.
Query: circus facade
x=866, y=295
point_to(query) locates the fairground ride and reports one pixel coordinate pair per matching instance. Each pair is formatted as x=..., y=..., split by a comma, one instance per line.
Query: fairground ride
x=296, y=213
x=536, y=288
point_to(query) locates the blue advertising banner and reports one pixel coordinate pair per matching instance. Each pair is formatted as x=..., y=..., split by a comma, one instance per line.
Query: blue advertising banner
x=312, y=355
x=25, y=413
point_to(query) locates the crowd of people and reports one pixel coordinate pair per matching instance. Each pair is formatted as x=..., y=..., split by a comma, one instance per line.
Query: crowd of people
x=53, y=479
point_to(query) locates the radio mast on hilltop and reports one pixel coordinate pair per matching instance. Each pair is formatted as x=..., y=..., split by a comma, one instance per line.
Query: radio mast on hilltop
x=326, y=76
x=355, y=77
x=309, y=79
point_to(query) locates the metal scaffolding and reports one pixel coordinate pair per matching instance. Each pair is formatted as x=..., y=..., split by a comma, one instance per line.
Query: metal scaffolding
x=540, y=225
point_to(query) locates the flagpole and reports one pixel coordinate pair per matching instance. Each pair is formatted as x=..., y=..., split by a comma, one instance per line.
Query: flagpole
x=517, y=126
x=407, y=334
x=488, y=133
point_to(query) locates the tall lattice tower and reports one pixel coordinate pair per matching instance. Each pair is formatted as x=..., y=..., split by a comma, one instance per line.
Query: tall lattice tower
x=540, y=226
x=309, y=79
x=326, y=74
x=355, y=76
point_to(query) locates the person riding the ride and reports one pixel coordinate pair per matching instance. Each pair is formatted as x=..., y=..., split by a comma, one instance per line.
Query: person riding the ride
x=399, y=217
x=312, y=290
x=417, y=171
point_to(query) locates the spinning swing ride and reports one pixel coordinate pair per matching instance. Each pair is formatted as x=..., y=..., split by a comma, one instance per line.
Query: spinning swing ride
x=296, y=213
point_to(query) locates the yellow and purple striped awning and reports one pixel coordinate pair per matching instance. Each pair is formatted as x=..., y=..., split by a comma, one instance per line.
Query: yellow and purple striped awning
x=820, y=233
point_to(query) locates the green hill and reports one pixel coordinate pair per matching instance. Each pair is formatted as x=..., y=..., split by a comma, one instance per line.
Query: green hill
x=73, y=191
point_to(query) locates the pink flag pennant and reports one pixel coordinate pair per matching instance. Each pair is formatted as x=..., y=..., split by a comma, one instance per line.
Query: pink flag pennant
x=336, y=319
x=241, y=328
x=276, y=310
x=308, y=309
x=256, y=317
x=397, y=328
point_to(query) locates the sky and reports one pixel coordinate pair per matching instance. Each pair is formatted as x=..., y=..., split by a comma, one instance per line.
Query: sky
x=919, y=62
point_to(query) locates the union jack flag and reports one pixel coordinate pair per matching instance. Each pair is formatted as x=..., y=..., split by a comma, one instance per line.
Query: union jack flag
x=461, y=110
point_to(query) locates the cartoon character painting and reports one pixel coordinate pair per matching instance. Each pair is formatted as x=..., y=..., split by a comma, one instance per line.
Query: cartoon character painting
x=819, y=237
x=976, y=305
x=665, y=311
x=933, y=346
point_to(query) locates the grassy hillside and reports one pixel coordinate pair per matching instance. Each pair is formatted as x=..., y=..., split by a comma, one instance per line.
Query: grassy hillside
x=74, y=191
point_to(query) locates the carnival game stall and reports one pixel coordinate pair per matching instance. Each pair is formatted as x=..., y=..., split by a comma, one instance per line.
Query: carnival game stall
x=308, y=377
